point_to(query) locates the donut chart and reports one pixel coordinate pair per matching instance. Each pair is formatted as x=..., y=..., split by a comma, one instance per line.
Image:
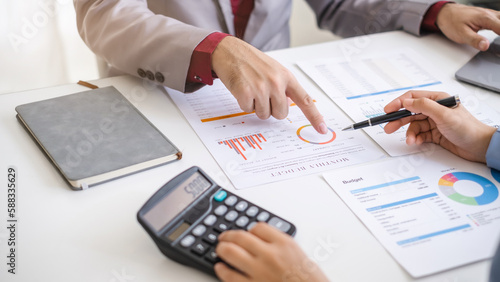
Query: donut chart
x=496, y=174
x=490, y=191
x=308, y=134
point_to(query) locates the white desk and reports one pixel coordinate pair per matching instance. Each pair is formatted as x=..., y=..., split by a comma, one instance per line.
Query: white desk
x=93, y=235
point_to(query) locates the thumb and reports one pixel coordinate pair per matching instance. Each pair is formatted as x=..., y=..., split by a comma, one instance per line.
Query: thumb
x=477, y=41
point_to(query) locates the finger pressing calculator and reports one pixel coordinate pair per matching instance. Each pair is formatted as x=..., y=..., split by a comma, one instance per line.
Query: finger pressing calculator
x=187, y=214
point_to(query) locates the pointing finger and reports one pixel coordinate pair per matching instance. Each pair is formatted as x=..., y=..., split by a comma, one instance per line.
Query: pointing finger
x=306, y=104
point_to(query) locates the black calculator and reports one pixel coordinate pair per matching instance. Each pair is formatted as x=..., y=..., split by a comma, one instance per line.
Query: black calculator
x=187, y=214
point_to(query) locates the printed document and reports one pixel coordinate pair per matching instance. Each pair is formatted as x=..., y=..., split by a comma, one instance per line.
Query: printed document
x=362, y=87
x=252, y=151
x=432, y=211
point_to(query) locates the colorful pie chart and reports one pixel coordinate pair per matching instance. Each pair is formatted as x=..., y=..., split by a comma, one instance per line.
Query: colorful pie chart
x=308, y=134
x=448, y=181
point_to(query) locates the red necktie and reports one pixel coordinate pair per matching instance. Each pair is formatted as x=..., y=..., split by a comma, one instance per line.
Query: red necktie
x=241, y=10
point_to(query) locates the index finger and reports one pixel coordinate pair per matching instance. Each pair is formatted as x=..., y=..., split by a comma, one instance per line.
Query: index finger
x=300, y=97
x=397, y=103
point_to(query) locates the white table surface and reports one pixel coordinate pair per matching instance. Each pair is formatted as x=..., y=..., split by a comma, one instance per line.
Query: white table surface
x=93, y=235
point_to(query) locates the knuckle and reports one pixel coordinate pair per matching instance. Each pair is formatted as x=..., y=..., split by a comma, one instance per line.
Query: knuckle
x=246, y=105
x=307, y=101
x=242, y=91
x=275, y=82
x=260, y=89
x=287, y=73
x=488, y=15
x=420, y=103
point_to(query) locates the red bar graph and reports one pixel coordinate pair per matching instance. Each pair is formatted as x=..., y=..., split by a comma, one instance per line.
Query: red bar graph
x=241, y=144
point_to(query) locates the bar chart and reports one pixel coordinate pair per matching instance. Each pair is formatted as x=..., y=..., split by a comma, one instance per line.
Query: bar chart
x=241, y=144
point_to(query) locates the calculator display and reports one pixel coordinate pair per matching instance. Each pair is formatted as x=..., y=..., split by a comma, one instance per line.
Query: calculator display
x=177, y=200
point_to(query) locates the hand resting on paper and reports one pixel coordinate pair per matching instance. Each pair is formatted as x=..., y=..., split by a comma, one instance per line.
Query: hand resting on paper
x=455, y=129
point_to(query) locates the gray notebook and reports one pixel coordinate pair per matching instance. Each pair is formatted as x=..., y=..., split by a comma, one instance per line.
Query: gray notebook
x=95, y=136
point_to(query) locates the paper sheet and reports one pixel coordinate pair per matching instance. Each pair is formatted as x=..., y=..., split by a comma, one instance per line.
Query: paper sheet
x=432, y=211
x=253, y=151
x=362, y=87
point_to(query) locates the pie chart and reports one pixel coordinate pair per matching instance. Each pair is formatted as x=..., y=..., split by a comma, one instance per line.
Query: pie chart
x=448, y=183
x=308, y=134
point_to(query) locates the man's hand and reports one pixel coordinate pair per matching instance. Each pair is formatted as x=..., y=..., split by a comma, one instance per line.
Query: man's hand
x=264, y=254
x=260, y=83
x=461, y=23
x=454, y=129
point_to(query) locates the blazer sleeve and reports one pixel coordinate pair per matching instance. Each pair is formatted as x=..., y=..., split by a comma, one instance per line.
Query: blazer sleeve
x=129, y=36
x=493, y=153
x=349, y=18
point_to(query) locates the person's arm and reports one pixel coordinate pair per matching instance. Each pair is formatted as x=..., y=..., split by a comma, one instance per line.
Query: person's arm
x=264, y=254
x=130, y=37
x=135, y=40
x=455, y=129
x=459, y=23
x=360, y=17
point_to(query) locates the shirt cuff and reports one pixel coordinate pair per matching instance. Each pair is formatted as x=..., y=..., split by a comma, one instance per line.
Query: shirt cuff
x=200, y=67
x=493, y=153
x=430, y=17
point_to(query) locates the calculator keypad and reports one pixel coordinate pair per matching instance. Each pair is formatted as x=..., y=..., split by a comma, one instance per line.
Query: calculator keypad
x=200, y=249
x=242, y=221
x=211, y=237
x=221, y=227
x=241, y=206
x=229, y=212
x=210, y=220
x=231, y=200
x=187, y=241
x=231, y=216
x=199, y=230
x=263, y=216
x=280, y=224
x=252, y=211
x=220, y=210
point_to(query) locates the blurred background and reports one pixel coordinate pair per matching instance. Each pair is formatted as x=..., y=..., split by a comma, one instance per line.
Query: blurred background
x=40, y=45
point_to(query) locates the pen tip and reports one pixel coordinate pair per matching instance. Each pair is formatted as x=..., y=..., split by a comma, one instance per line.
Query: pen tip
x=348, y=128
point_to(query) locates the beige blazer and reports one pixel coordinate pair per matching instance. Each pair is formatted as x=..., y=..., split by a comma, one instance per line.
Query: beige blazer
x=155, y=39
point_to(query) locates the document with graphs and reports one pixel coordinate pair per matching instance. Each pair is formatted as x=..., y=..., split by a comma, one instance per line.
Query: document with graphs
x=362, y=87
x=432, y=211
x=252, y=151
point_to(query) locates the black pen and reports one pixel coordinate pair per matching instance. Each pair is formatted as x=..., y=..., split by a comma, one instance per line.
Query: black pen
x=449, y=102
